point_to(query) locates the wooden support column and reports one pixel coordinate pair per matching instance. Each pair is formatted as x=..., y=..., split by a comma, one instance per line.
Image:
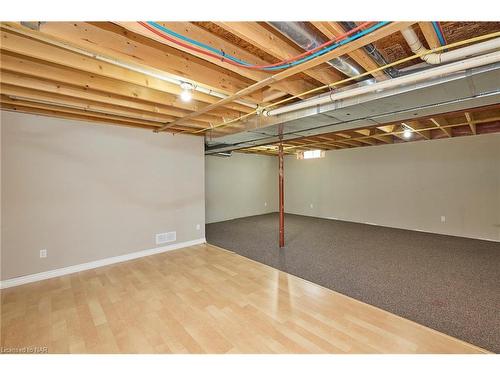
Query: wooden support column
x=281, y=197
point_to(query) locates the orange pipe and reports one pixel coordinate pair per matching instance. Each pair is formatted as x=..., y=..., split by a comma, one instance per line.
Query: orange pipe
x=281, y=197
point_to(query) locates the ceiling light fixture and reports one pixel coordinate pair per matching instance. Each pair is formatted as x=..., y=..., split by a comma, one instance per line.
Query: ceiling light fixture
x=187, y=91
x=407, y=133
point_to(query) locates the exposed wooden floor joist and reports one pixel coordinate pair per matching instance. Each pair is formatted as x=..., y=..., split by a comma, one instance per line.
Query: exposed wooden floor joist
x=121, y=68
x=474, y=121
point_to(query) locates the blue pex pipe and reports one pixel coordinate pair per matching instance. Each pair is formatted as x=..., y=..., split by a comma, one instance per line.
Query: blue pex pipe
x=195, y=42
x=287, y=65
x=439, y=34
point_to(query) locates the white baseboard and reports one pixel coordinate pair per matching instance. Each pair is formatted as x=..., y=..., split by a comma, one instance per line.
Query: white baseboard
x=95, y=264
x=404, y=228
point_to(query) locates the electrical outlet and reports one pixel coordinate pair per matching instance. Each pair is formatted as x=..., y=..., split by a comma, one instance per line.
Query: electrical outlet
x=311, y=205
x=198, y=226
x=43, y=253
x=443, y=219
x=265, y=204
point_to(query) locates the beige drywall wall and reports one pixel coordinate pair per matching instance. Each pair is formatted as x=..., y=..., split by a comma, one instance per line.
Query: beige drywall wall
x=404, y=186
x=86, y=191
x=240, y=186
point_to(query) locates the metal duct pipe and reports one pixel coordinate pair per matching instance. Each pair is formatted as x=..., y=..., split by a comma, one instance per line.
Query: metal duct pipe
x=445, y=57
x=373, y=52
x=302, y=34
x=490, y=58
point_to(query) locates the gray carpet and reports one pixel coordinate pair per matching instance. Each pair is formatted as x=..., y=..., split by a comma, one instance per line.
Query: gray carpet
x=451, y=284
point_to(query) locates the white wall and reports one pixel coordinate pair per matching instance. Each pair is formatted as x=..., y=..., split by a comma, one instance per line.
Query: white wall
x=85, y=191
x=240, y=185
x=404, y=186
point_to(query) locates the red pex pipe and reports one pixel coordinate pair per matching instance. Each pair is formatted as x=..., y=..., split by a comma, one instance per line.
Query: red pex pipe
x=196, y=49
x=442, y=33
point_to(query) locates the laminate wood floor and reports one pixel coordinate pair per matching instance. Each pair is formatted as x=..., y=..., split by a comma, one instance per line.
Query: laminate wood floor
x=203, y=299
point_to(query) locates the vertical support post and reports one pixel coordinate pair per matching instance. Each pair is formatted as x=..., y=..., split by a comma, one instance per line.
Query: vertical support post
x=281, y=197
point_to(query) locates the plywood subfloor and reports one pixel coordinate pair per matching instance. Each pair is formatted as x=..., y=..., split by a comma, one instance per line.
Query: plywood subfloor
x=203, y=299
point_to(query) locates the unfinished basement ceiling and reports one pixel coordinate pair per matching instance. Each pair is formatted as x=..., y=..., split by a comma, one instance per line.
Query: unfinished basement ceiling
x=482, y=120
x=399, y=107
x=124, y=74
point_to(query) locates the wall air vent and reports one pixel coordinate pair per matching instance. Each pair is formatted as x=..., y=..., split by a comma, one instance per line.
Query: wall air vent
x=162, y=238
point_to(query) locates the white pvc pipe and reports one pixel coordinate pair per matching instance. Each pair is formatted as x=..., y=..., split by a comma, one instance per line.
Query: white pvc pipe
x=475, y=49
x=473, y=62
x=435, y=58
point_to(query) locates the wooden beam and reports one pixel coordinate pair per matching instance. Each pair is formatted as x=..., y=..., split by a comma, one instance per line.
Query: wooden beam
x=46, y=106
x=394, y=130
x=70, y=116
x=41, y=97
x=21, y=45
x=343, y=138
x=203, y=36
x=354, y=138
x=471, y=122
x=364, y=138
x=354, y=143
x=73, y=113
x=365, y=132
x=377, y=134
x=34, y=84
x=115, y=42
x=418, y=128
x=332, y=30
x=85, y=80
x=22, y=94
x=346, y=48
x=323, y=145
x=388, y=132
x=319, y=141
x=300, y=145
x=331, y=139
x=260, y=37
x=368, y=141
x=429, y=34
x=439, y=122
x=269, y=95
x=373, y=135
x=14, y=107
